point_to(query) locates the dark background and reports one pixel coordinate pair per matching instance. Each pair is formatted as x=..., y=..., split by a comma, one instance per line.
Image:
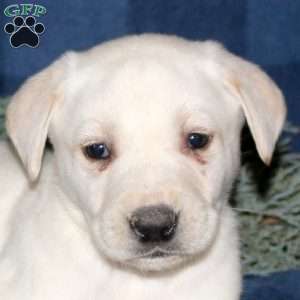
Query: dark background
x=266, y=32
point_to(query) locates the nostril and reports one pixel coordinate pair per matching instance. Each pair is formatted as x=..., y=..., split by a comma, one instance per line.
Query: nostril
x=136, y=227
x=154, y=223
x=170, y=229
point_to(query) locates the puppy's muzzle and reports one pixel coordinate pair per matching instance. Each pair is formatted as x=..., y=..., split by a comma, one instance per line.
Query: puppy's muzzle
x=154, y=224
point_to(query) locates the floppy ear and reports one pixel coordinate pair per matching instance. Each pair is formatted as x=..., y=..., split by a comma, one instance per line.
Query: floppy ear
x=261, y=100
x=30, y=111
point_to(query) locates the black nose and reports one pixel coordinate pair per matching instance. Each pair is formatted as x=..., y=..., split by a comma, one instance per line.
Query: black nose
x=154, y=223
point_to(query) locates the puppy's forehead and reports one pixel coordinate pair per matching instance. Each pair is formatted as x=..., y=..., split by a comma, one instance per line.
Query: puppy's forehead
x=144, y=84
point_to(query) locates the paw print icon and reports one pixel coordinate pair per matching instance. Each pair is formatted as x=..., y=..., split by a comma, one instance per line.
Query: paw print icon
x=24, y=32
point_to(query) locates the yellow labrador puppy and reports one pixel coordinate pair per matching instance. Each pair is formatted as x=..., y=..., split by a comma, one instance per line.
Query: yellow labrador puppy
x=131, y=204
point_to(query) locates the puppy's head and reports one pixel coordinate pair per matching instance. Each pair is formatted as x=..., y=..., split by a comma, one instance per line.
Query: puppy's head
x=145, y=131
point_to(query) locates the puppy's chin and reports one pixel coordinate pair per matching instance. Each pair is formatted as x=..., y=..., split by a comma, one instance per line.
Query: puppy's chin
x=153, y=261
x=156, y=264
x=143, y=263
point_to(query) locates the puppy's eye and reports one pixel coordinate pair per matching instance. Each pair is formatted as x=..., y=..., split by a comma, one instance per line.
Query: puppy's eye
x=97, y=151
x=197, y=140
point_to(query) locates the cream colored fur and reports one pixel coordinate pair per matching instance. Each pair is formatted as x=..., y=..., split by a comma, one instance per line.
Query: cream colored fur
x=64, y=231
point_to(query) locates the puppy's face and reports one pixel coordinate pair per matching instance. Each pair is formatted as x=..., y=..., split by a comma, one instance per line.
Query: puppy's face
x=146, y=142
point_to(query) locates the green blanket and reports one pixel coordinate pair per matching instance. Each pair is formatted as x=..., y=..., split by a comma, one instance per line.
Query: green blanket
x=267, y=201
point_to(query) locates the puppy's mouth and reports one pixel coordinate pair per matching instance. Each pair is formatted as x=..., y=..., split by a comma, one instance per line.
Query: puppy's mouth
x=157, y=259
x=158, y=253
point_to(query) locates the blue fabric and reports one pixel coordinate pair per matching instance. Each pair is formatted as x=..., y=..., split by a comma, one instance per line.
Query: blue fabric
x=266, y=32
x=278, y=286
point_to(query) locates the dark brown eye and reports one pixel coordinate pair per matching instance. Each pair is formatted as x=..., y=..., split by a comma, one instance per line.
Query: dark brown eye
x=97, y=151
x=197, y=140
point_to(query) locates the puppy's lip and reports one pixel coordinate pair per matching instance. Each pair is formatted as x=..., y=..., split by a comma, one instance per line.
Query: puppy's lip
x=158, y=253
